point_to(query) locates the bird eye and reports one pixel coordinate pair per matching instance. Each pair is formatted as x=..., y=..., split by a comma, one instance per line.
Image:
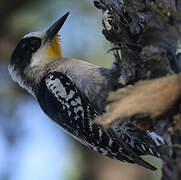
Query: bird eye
x=35, y=44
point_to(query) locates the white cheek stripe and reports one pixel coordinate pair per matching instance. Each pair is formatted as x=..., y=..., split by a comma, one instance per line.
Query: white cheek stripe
x=39, y=34
x=17, y=78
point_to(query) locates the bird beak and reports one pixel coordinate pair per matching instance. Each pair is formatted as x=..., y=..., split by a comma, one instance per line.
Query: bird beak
x=53, y=29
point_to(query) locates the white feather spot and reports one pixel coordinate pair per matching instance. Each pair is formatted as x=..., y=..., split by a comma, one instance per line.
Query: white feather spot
x=70, y=95
x=103, y=151
x=76, y=116
x=100, y=133
x=120, y=149
x=78, y=108
x=90, y=125
x=67, y=105
x=69, y=112
x=158, y=154
x=56, y=87
x=157, y=139
x=73, y=103
x=78, y=100
x=63, y=107
x=91, y=146
x=82, y=114
x=150, y=150
x=67, y=83
x=143, y=147
x=110, y=142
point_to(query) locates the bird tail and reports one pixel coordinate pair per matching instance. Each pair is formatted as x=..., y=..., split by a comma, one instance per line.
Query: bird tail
x=143, y=142
x=145, y=164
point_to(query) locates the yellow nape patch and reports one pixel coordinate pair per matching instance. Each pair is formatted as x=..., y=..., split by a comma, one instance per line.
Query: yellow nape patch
x=54, y=49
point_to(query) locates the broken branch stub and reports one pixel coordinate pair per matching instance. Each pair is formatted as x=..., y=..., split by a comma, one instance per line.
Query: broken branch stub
x=148, y=98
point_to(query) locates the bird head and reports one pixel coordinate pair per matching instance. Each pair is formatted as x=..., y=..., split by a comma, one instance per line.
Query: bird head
x=35, y=50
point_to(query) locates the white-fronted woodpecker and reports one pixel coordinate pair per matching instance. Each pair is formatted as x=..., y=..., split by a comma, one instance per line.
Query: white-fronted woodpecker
x=73, y=93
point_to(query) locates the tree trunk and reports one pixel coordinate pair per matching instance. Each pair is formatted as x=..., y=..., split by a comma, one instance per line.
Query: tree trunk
x=147, y=34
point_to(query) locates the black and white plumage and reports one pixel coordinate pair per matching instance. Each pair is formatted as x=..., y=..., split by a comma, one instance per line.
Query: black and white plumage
x=63, y=102
x=73, y=94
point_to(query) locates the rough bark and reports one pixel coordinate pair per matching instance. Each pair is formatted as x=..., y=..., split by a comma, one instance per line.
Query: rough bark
x=147, y=34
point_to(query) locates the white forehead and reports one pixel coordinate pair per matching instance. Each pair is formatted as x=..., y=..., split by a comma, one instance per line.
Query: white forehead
x=39, y=34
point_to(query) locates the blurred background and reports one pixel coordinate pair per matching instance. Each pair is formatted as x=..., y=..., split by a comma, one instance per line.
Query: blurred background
x=31, y=146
